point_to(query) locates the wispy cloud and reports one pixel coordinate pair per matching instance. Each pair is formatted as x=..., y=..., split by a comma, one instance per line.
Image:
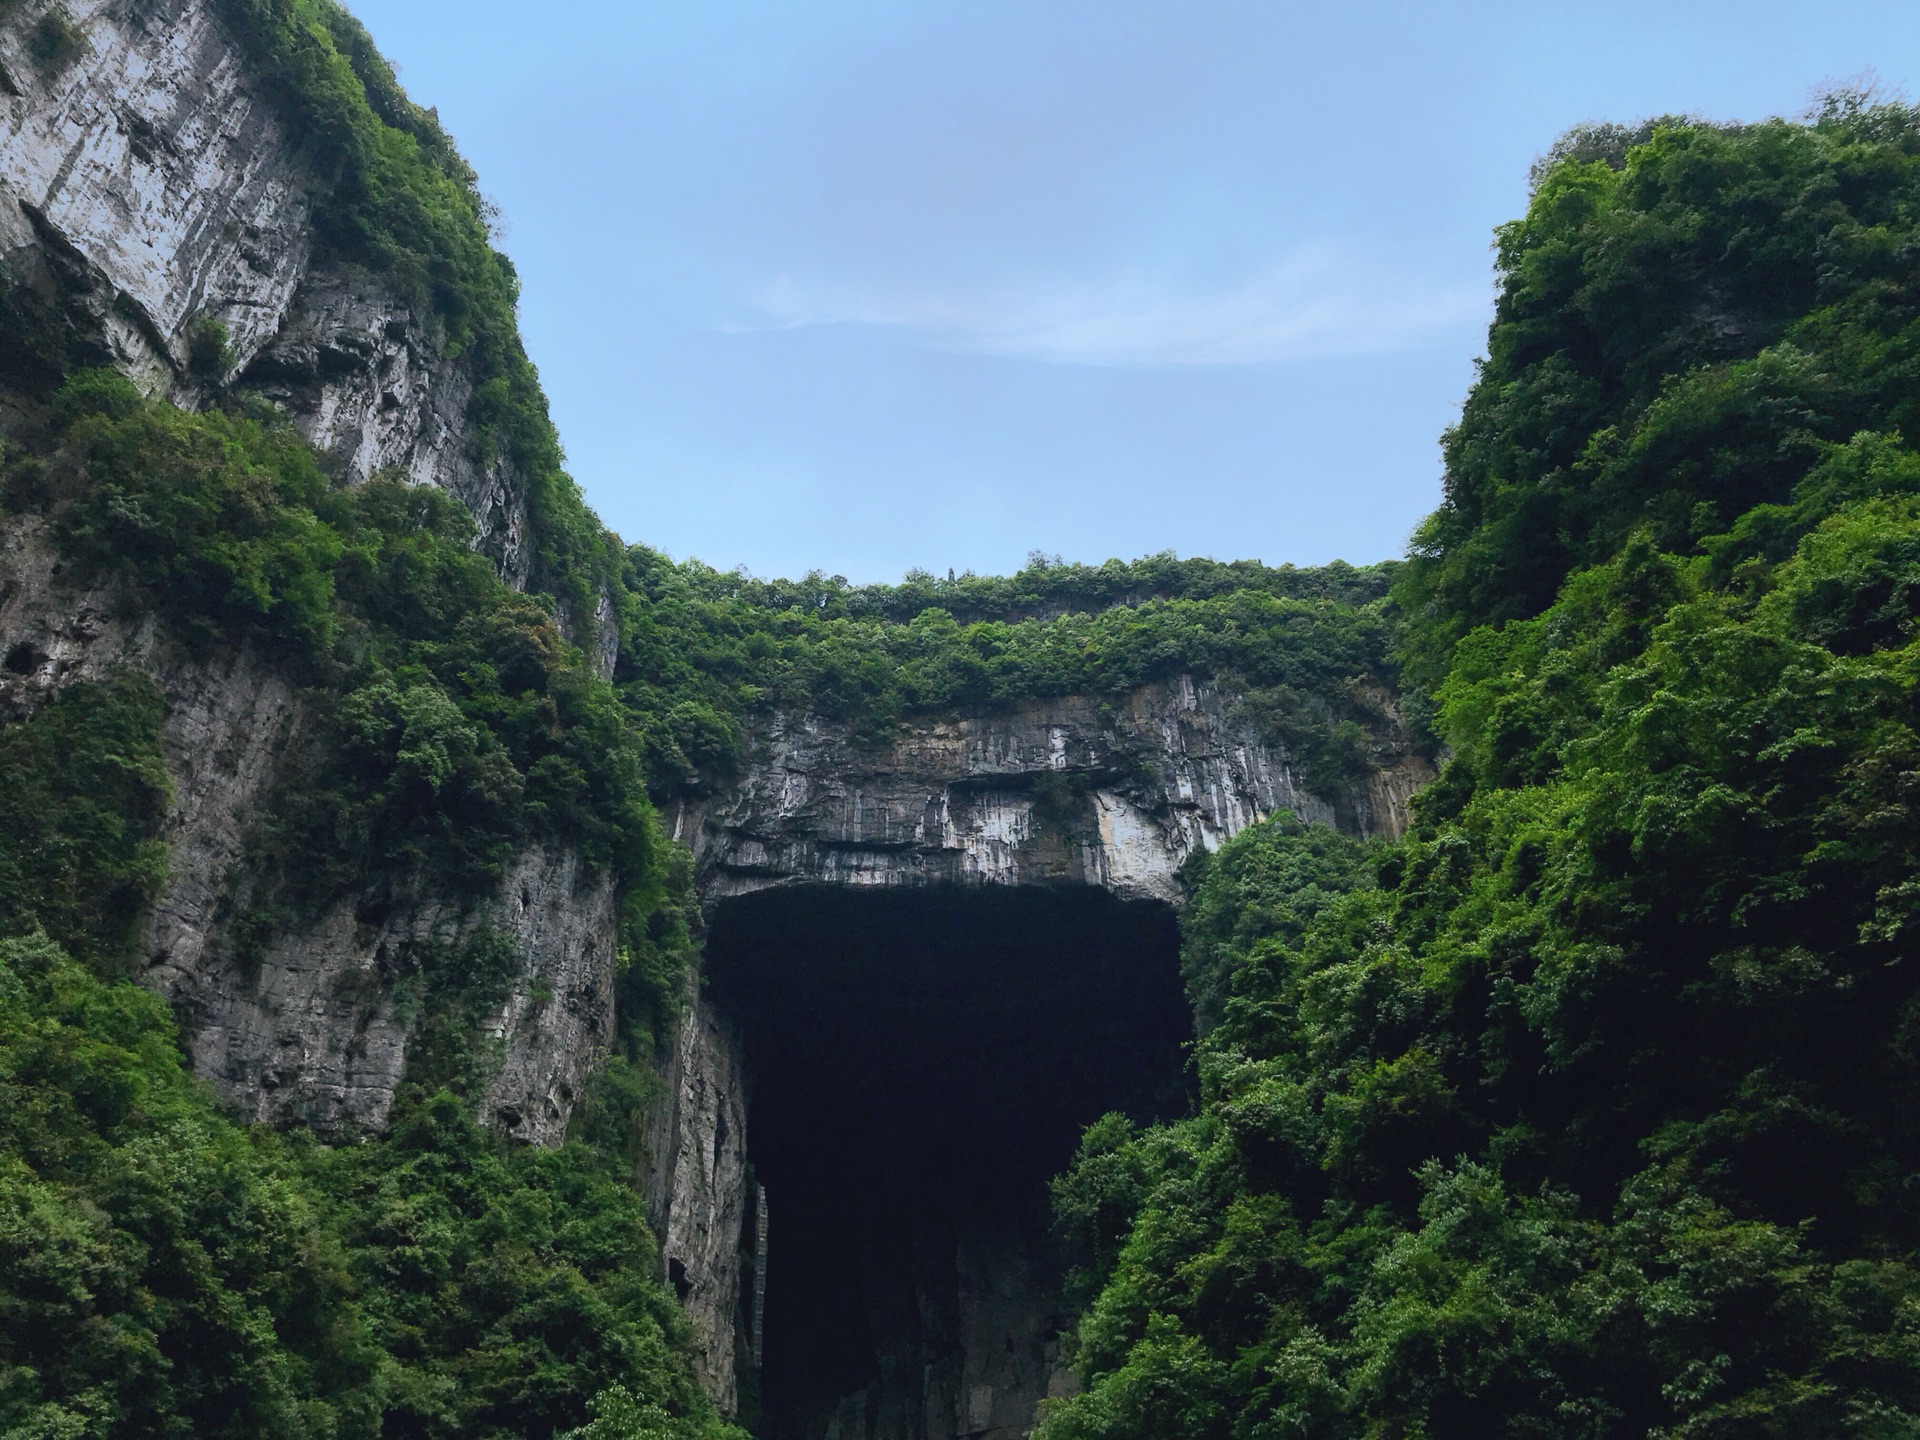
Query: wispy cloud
x=1314, y=304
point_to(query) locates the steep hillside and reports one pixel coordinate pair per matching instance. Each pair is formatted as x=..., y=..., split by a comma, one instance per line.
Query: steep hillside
x=333, y=719
x=464, y=975
x=1587, y=1109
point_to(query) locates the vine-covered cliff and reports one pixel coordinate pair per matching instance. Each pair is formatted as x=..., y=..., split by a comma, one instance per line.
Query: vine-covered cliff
x=461, y=974
x=334, y=720
x=1587, y=1109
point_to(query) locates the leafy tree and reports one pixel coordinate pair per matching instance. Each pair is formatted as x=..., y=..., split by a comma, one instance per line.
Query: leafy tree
x=85, y=791
x=1583, y=1110
x=167, y=1272
x=1683, y=325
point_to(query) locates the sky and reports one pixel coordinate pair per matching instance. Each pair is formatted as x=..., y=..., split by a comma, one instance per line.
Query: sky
x=870, y=285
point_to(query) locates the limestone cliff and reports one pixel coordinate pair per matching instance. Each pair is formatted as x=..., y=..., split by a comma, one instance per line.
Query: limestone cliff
x=148, y=187
x=1071, y=791
x=697, y=1187
x=316, y=1028
x=157, y=216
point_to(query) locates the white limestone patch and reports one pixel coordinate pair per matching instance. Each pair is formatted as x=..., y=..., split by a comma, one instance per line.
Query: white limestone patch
x=1133, y=857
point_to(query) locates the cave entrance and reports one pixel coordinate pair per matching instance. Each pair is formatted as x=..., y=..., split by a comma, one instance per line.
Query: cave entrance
x=922, y=1062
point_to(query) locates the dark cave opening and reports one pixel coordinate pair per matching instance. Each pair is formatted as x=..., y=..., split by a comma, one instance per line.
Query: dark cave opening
x=922, y=1062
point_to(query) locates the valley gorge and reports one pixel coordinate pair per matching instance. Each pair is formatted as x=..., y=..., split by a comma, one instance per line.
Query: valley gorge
x=932, y=956
x=464, y=973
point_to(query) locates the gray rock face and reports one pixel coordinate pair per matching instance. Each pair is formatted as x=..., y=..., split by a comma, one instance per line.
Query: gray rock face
x=373, y=389
x=697, y=1188
x=148, y=186
x=152, y=164
x=1068, y=791
x=54, y=631
x=317, y=1026
x=1062, y=792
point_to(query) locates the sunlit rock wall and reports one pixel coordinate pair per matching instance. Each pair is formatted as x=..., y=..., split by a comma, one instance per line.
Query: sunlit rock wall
x=150, y=185
x=1067, y=791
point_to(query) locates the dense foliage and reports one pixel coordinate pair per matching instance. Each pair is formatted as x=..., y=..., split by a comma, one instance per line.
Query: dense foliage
x=1047, y=587
x=1682, y=328
x=1588, y=1109
x=166, y=1272
x=703, y=650
x=85, y=791
x=459, y=724
x=402, y=201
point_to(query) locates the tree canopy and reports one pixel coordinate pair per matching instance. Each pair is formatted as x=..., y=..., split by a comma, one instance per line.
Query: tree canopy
x=1587, y=1110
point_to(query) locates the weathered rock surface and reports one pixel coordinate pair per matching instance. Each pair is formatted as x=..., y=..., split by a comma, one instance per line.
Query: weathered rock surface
x=155, y=183
x=1067, y=791
x=315, y=1027
x=372, y=388
x=148, y=186
x=697, y=1188
x=1063, y=792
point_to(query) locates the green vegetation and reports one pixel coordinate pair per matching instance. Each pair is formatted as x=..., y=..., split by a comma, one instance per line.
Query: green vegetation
x=1588, y=1109
x=203, y=1279
x=702, y=650
x=55, y=42
x=84, y=795
x=209, y=351
x=1683, y=328
x=402, y=202
x=459, y=726
x=1048, y=587
x=165, y=1272
x=617, y=1415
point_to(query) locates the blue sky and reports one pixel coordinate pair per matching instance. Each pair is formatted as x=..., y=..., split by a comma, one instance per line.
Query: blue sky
x=870, y=285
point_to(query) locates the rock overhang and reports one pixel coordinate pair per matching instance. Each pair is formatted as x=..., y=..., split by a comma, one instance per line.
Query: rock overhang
x=922, y=1061
x=1117, y=793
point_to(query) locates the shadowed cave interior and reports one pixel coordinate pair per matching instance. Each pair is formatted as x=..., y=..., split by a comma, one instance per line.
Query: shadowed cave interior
x=922, y=1062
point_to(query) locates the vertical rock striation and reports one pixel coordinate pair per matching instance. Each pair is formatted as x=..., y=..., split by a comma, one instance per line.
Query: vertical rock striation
x=315, y=1025
x=147, y=187
x=318, y=1026
x=697, y=1188
x=143, y=184
x=1071, y=791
